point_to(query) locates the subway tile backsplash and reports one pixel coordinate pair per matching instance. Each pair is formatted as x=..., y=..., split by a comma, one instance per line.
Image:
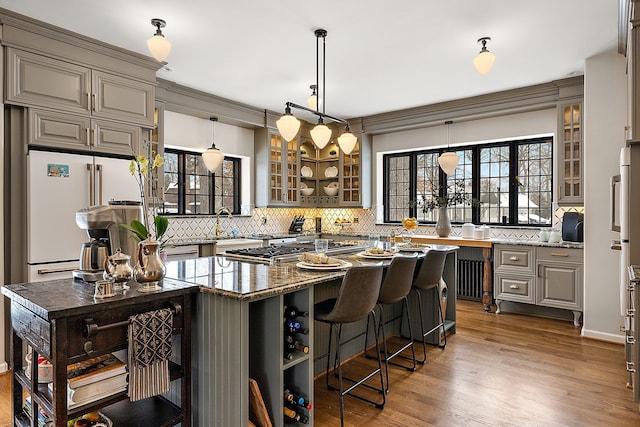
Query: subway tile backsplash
x=362, y=221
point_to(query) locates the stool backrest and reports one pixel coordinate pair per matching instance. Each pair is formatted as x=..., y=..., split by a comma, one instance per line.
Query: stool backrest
x=398, y=279
x=430, y=271
x=358, y=294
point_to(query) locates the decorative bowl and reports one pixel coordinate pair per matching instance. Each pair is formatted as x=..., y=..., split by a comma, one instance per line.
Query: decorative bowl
x=330, y=191
x=307, y=191
x=45, y=370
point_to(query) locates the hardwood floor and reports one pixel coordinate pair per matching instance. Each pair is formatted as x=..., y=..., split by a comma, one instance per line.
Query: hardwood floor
x=498, y=370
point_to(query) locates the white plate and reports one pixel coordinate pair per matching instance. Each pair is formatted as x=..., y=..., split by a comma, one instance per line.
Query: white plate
x=303, y=185
x=413, y=247
x=305, y=266
x=331, y=171
x=306, y=172
x=387, y=255
x=332, y=263
x=333, y=185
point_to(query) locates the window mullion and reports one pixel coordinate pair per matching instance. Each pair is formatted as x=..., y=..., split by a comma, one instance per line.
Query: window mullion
x=513, y=184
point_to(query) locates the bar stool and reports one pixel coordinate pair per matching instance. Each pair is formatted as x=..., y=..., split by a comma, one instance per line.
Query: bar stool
x=396, y=286
x=356, y=301
x=428, y=279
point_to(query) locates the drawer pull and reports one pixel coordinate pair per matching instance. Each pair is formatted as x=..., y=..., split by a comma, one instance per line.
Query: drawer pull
x=514, y=258
x=55, y=270
x=514, y=287
x=559, y=254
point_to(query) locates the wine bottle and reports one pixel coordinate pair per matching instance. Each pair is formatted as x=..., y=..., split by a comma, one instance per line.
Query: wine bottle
x=291, y=312
x=291, y=414
x=288, y=355
x=301, y=401
x=294, y=330
x=288, y=396
x=292, y=324
x=296, y=346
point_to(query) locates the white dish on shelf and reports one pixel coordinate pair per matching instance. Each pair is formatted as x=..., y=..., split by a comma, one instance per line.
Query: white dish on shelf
x=331, y=191
x=333, y=185
x=306, y=172
x=303, y=185
x=306, y=191
x=331, y=172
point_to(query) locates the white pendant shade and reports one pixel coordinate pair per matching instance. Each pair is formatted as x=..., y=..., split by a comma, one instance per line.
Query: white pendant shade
x=212, y=158
x=321, y=135
x=484, y=61
x=312, y=102
x=159, y=47
x=347, y=142
x=448, y=161
x=288, y=126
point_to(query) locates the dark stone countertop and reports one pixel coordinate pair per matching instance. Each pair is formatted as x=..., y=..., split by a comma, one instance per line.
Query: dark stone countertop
x=67, y=297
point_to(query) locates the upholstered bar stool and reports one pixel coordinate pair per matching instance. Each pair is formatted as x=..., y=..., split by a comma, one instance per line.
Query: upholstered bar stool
x=356, y=301
x=396, y=286
x=428, y=279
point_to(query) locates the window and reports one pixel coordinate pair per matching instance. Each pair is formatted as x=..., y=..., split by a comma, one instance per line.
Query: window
x=512, y=180
x=191, y=189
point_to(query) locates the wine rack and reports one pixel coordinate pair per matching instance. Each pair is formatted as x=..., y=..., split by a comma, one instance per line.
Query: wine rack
x=270, y=362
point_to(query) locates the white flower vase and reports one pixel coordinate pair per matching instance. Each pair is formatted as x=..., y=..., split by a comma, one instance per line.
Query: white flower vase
x=443, y=225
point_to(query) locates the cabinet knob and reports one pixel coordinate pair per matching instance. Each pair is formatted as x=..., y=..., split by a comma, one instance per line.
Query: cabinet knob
x=514, y=258
x=88, y=347
x=514, y=287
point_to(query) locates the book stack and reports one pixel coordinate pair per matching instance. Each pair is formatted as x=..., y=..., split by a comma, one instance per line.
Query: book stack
x=95, y=379
x=43, y=419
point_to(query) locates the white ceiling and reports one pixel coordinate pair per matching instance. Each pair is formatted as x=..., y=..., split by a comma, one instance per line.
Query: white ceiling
x=382, y=55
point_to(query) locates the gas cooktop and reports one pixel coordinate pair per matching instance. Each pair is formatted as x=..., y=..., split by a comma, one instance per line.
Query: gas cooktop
x=286, y=252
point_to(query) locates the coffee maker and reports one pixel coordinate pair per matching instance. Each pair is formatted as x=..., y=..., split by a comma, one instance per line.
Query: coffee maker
x=106, y=236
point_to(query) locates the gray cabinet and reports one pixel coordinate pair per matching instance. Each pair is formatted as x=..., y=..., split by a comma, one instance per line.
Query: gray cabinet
x=41, y=81
x=569, y=153
x=543, y=276
x=277, y=170
x=61, y=130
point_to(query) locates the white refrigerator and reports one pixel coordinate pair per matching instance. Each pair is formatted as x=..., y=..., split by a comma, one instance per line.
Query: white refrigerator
x=58, y=185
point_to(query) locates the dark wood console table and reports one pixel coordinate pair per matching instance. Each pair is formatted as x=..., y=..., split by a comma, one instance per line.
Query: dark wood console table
x=61, y=321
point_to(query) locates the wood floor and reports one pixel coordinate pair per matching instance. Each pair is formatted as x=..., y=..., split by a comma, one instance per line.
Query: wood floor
x=498, y=370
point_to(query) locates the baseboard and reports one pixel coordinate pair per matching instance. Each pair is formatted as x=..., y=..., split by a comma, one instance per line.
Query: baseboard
x=3, y=367
x=603, y=336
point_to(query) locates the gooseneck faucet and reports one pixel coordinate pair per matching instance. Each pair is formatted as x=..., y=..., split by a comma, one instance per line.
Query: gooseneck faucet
x=222, y=209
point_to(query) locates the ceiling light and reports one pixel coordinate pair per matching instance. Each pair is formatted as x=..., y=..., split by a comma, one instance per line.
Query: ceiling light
x=347, y=141
x=158, y=45
x=449, y=159
x=288, y=126
x=213, y=157
x=312, y=101
x=484, y=60
x=321, y=134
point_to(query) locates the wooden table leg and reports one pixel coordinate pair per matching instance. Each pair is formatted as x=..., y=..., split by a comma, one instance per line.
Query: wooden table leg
x=486, y=280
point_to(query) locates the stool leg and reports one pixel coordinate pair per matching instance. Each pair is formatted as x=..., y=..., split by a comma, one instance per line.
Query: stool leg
x=384, y=346
x=340, y=377
x=424, y=344
x=444, y=331
x=329, y=356
x=405, y=307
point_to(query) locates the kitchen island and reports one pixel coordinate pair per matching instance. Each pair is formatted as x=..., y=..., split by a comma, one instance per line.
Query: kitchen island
x=239, y=331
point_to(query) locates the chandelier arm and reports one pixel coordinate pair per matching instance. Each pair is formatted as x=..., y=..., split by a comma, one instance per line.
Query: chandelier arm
x=324, y=72
x=317, y=113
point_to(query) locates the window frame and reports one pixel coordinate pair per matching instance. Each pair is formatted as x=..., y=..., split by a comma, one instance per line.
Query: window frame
x=512, y=221
x=212, y=178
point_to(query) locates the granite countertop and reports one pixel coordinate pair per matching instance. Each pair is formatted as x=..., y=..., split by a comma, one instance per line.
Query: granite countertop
x=65, y=297
x=244, y=280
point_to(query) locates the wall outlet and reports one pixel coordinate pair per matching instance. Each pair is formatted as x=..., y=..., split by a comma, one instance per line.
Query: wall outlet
x=356, y=220
x=264, y=220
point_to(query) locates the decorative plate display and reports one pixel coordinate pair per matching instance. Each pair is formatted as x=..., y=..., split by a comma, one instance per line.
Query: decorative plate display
x=331, y=171
x=323, y=267
x=333, y=185
x=306, y=172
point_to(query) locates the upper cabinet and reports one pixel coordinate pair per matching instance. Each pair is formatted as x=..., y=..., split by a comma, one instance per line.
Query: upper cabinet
x=570, y=140
x=277, y=169
x=37, y=80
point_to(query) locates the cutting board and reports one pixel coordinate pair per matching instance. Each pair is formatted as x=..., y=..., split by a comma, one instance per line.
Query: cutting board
x=257, y=410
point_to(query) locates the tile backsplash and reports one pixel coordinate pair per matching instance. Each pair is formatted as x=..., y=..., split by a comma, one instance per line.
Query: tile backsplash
x=361, y=221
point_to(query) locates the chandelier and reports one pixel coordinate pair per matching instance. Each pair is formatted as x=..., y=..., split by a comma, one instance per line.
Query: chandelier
x=288, y=125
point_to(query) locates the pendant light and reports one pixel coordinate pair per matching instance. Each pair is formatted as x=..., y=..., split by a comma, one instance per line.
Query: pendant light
x=158, y=45
x=213, y=157
x=288, y=125
x=312, y=100
x=449, y=159
x=484, y=60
